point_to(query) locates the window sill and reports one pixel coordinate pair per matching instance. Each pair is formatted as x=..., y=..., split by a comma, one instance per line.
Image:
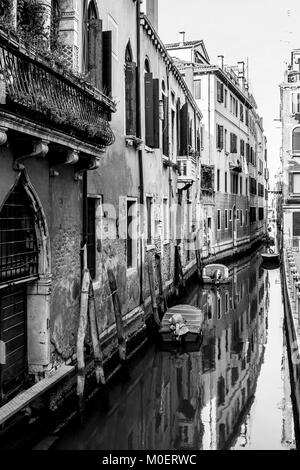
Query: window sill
x=149, y=149
x=133, y=141
x=131, y=271
x=150, y=247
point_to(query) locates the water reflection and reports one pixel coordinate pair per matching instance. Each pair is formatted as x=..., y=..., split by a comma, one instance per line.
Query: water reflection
x=191, y=400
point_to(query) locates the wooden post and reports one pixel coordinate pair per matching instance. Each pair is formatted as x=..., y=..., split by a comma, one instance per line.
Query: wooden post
x=118, y=314
x=83, y=319
x=179, y=279
x=198, y=259
x=98, y=356
x=163, y=300
x=182, y=280
x=176, y=272
x=298, y=308
x=152, y=293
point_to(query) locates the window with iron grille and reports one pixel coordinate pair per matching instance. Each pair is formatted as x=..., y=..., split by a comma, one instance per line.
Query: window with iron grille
x=91, y=236
x=18, y=243
x=233, y=143
x=220, y=137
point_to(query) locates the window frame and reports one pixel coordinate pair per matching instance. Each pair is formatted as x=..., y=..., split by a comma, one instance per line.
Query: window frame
x=219, y=222
x=226, y=224
x=295, y=152
x=149, y=241
x=134, y=202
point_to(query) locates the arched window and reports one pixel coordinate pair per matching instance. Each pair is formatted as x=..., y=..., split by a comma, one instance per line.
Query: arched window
x=18, y=245
x=165, y=121
x=296, y=140
x=147, y=66
x=55, y=19
x=128, y=53
x=151, y=107
x=19, y=261
x=130, y=91
x=92, y=44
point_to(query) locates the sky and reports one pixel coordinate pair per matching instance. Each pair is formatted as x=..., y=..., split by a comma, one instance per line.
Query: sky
x=264, y=31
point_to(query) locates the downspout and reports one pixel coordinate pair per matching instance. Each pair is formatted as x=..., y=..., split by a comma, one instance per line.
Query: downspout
x=169, y=143
x=139, y=135
x=84, y=220
x=209, y=147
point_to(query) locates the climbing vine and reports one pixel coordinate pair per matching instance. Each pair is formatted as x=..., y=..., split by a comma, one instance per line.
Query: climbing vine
x=31, y=22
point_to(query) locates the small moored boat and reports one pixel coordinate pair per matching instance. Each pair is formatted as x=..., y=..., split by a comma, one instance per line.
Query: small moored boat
x=215, y=274
x=271, y=260
x=182, y=324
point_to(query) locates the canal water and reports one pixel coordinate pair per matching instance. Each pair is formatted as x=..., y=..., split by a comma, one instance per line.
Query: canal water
x=233, y=393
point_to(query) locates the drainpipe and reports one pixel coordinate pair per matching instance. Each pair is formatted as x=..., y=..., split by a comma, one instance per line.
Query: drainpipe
x=13, y=14
x=139, y=134
x=84, y=221
x=209, y=146
x=169, y=144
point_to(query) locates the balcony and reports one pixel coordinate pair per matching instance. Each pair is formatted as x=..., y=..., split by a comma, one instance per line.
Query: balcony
x=187, y=169
x=35, y=96
x=293, y=77
x=235, y=162
x=207, y=196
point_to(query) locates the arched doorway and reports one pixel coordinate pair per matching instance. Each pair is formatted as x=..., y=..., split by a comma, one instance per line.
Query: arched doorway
x=21, y=243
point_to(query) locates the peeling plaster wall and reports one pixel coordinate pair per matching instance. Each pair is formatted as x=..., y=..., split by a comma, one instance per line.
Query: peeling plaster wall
x=61, y=201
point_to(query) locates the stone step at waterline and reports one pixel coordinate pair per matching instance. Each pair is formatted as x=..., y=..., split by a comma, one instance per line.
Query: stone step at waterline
x=24, y=398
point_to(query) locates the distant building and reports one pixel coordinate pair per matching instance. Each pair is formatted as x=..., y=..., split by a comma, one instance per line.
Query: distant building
x=290, y=119
x=234, y=171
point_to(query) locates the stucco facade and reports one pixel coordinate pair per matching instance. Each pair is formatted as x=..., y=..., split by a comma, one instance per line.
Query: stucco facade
x=234, y=213
x=289, y=114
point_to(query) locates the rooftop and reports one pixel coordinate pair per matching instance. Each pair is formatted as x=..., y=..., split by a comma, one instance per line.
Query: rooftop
x=175, y=45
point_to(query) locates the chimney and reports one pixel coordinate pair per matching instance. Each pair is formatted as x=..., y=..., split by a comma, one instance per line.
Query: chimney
x=152, y=12
x=241, y=74
x=221, y=61
x=182, y=39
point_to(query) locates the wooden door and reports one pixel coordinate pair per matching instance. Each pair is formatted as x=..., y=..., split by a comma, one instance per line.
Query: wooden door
x=13, y=340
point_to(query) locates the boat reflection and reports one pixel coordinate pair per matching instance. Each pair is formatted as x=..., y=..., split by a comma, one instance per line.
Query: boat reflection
x=191, y=400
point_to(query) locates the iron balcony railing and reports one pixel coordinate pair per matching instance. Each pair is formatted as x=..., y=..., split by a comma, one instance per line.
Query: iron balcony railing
x=235, y=162
x=30, y=88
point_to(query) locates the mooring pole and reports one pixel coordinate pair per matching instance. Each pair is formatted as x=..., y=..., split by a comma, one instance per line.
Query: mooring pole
x=118, y=315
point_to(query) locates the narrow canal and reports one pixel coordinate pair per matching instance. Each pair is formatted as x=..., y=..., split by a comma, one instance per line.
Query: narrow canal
x=233, y=393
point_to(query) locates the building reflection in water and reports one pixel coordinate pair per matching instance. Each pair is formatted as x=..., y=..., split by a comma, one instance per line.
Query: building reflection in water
x=192, y=400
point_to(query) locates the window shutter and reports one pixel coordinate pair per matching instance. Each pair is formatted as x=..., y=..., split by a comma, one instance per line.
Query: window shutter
x=130, y=98
x=149, y=110
x=220, y=92
x=296, y=224
x=296, y=140
x=107, y=61
x=198, y=146
x=95, y=52
x=156, y=113
x=291, y=183
x=166, y=128
x=221, y=129
x=178, y=125
x=184, y=129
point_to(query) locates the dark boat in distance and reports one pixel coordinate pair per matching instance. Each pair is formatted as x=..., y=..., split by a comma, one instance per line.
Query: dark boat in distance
x=271, y=260
x=182, y=324
x=215, y=274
